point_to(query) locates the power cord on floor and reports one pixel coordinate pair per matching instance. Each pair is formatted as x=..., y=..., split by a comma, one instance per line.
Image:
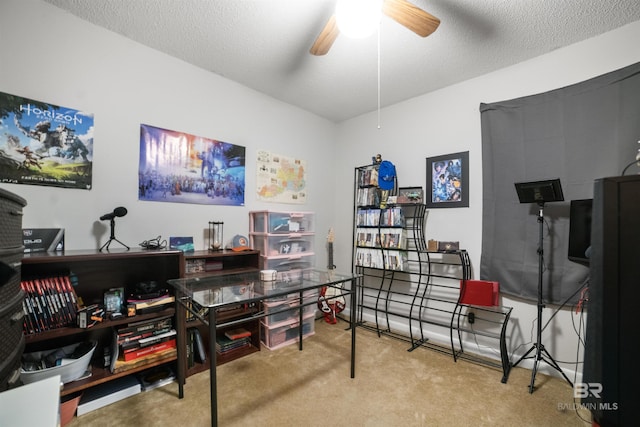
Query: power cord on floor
x=583, y=285
x=580, y=309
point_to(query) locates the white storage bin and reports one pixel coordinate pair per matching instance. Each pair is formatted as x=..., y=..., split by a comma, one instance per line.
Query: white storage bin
x=289, y=244
x=281, y=335
x=69, y=371
x=281, y=222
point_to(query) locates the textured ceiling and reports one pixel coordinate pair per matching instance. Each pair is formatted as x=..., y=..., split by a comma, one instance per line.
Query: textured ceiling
x=264, y=44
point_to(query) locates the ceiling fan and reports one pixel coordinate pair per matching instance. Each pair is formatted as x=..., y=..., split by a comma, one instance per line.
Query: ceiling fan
x=401, y=11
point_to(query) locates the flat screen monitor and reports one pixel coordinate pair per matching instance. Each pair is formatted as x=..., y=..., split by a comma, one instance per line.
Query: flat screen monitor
x=580, y=230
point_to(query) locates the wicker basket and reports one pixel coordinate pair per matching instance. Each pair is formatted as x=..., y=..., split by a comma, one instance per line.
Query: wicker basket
x=11, y=219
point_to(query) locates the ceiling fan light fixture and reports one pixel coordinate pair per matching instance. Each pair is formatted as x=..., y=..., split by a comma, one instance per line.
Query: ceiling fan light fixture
x=358, y=18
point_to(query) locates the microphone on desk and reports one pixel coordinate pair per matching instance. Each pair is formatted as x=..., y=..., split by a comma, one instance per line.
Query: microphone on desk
x=117, y=212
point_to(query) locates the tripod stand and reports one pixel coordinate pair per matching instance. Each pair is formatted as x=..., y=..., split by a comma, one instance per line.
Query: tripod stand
x=113, y=237
x=541, y=353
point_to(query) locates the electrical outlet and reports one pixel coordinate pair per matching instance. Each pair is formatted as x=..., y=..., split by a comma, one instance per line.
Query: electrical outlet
x=471, y=317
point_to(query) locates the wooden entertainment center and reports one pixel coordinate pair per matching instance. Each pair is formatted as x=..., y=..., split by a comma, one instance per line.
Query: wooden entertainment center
x=94, y=272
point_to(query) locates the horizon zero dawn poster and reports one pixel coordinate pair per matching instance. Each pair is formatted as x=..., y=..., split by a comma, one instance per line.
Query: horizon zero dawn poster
x=44, y=144
x=182, y=168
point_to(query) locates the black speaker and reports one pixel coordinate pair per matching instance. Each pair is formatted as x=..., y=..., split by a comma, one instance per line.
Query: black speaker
x=610, y=378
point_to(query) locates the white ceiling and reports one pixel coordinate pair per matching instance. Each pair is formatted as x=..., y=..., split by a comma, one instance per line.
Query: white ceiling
x=264, y=44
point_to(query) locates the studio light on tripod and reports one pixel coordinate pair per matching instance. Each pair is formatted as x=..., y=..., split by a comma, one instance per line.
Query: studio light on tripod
x=540, y=192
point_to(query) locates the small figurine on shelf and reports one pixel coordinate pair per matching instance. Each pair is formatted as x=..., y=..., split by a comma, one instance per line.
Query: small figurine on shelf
x=377, y=159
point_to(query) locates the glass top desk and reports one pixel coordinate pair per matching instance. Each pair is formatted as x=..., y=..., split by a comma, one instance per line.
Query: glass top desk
x=219, y=292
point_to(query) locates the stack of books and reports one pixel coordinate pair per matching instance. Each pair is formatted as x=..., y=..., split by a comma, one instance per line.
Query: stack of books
x=151, y=305
x=140, y=342
x=232, y=340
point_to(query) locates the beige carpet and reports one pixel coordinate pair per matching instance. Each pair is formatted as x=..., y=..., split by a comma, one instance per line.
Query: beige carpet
x=392, y=387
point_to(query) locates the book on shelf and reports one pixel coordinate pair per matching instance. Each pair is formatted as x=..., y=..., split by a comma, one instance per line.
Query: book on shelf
x=141, y=339
x=121, y=365
x=192, y=306
x=198, y=346
x=225, y=344
x=236, y=333
x=149, y=306
x=190, y=360
x=146, y=341
x=142, y=352
x=196, y=351
x=142, y=326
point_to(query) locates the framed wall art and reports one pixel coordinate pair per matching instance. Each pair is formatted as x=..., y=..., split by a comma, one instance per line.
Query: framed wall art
x=45, y=144
x=410, y=195
x=448, y=181
x=178, y=167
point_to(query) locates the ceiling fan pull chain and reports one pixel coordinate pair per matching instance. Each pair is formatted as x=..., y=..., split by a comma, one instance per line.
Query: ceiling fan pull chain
x=379, y=27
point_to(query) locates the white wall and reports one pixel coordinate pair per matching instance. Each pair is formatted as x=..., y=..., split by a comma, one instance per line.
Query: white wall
x=448, y=121
x=51, y=56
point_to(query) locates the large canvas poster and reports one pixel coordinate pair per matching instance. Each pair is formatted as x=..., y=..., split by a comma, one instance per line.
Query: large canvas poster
x=281, y=179
x=44, y=144
x=182, y=168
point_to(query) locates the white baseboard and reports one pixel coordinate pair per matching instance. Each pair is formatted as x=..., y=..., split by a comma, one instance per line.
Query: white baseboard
x=441, y=337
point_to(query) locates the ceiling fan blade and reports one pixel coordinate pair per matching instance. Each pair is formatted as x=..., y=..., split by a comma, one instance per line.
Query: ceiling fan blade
x=325, y=39
x=410, y=16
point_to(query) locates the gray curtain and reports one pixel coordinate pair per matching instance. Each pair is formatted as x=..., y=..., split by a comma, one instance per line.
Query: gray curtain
x=578, y=133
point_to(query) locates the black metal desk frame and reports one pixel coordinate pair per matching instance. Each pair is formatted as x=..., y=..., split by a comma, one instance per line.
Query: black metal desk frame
x=195, y=289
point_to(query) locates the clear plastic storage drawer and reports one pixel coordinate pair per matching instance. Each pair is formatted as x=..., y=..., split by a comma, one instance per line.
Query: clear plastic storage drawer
x=281, y=222
x=289, y=263
x=289, y=244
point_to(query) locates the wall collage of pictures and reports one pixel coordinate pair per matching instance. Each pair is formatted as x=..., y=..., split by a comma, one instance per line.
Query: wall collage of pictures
x=48, y=145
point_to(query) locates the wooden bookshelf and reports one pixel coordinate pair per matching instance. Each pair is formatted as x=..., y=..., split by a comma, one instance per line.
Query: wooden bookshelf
x=208, y=263
x=93, y=273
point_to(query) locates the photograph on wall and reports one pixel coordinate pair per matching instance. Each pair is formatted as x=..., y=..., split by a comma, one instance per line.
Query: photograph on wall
x=281, y=179
x=182, y=168
x=448, y=181
x=44, y=144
